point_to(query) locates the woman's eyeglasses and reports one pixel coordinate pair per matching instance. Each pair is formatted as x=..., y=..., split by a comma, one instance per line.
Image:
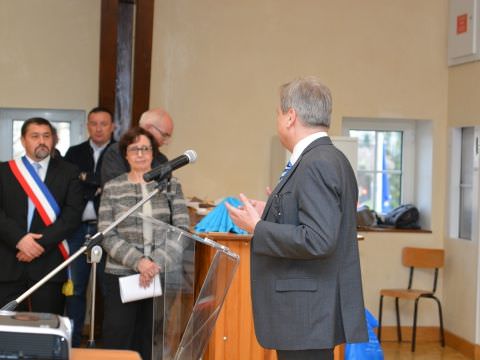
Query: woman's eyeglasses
x=139, y=149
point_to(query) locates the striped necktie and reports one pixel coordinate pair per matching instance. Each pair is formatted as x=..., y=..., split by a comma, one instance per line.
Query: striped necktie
x=286, y=170
x=31, y=207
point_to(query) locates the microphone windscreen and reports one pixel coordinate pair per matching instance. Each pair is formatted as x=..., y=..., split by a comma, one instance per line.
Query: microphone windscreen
x=192, y=155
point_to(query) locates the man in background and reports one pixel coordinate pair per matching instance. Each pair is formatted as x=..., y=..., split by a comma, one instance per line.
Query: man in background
x=305, y=267
x=156, y=121
x=88, y=157
x=41, y=202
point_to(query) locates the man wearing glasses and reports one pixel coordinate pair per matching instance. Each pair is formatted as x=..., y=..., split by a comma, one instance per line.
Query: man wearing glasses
x=156, y=121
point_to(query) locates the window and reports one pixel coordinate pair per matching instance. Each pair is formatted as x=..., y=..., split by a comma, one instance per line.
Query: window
x=462, y=183
x=466, y=184
x=379, y=169
x=385, y=163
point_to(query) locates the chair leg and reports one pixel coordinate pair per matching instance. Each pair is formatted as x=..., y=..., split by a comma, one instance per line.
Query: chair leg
x=414, y=331
x=399, y=328
x=440, y=317
x=379, y=334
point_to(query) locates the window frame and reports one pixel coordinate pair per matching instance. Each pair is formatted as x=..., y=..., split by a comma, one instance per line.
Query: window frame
x=455, y=181
x=408, y=147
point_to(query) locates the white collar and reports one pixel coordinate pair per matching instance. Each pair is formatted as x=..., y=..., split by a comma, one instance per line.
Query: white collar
x=43, y=162
x=302, y=145
x=95, y=147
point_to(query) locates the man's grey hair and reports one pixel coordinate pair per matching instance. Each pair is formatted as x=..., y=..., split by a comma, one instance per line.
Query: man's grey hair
x=310, y=99
x=152, y=116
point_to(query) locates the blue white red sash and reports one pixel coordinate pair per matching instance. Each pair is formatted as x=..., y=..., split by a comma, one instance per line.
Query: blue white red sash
x=38, y=193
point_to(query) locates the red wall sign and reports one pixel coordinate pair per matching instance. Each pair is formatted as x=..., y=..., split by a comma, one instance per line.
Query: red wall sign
x=462, y=24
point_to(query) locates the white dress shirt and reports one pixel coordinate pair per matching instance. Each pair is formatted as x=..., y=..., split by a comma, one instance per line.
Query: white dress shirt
x=302, y=145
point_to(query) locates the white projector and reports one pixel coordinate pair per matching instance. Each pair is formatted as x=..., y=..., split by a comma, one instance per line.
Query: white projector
x=27, y=335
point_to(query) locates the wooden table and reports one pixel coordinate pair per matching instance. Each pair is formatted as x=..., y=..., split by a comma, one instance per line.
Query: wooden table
x=103, y=354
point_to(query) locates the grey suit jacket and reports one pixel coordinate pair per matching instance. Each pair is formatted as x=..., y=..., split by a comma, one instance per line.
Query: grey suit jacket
x=305, y=269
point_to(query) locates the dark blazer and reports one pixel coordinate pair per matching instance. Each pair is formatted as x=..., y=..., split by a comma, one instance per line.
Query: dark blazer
x=305, y=269
x=82, y=156
x=62, y=181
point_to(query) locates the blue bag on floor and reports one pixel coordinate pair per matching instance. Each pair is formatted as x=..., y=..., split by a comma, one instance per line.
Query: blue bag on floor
x=366, y=351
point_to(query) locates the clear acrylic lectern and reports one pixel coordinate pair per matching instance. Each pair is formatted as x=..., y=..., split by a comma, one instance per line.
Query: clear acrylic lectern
x=185, y=314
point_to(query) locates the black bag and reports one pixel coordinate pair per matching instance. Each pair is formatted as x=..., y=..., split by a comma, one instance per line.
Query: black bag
x=405, y=216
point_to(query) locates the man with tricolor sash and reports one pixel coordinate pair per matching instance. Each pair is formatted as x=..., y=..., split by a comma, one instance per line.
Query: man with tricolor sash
x=41, y=204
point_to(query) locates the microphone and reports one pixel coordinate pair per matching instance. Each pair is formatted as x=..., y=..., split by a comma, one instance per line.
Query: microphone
x=162, y=171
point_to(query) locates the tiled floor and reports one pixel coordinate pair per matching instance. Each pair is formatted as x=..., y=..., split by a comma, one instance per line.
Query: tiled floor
x=424, y=351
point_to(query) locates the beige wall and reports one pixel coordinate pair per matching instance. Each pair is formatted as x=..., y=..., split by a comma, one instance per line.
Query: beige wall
x=460, y=288
x=49, y=53
x=464, y=95
x=217, y=67
x=461, y=280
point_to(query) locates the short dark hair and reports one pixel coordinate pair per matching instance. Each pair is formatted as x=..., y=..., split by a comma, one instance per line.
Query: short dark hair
x=37, y=121
x=132, y=135
x=99, y=109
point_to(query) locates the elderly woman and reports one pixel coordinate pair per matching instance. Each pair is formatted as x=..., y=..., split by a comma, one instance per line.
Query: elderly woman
x=129, y=245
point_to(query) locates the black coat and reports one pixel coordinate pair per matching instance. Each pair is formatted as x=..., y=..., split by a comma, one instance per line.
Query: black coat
x=62, y=181
x=82, y=156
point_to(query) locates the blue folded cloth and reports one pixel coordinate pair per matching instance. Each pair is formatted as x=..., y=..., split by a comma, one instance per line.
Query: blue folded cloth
x=218, y=219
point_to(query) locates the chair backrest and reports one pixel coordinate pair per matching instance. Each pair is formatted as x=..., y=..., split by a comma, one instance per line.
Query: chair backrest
x=423, y=258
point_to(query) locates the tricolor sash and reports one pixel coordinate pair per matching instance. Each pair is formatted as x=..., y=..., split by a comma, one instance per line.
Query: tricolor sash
x=38, y=193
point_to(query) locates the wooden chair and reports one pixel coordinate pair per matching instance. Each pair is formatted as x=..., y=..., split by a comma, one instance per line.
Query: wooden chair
x=415, y=258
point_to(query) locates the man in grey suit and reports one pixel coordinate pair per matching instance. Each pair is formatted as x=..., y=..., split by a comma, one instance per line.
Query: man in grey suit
x=305, y=269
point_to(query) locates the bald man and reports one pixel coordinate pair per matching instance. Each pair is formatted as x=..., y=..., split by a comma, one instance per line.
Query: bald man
x=156, y=121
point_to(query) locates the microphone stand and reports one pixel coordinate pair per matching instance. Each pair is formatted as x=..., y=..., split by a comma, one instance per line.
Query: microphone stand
x=93, y=257
x=94, y=240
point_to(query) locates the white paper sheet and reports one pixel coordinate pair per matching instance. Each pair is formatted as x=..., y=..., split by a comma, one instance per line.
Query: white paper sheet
x=130, y=289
